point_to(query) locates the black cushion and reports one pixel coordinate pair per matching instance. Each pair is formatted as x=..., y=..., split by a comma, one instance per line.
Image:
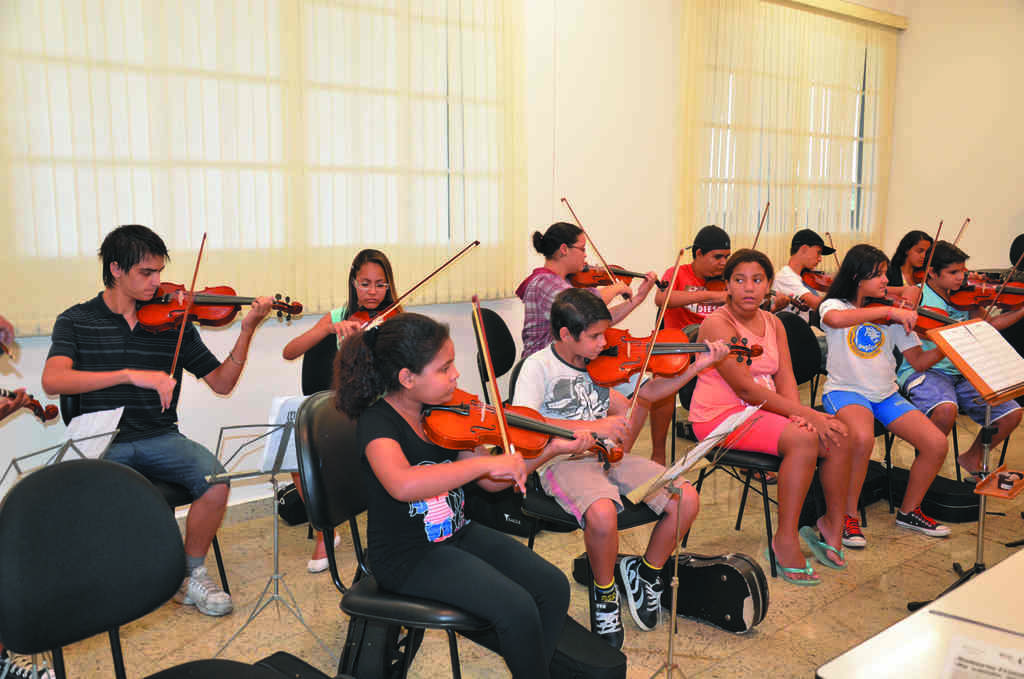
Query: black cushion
x=216, y=669
x=804, y=350
x=318, y=365
x=366, y=599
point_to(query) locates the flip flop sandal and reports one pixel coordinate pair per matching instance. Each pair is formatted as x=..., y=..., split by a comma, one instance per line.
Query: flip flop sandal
x=786, y=573
x=820, y=549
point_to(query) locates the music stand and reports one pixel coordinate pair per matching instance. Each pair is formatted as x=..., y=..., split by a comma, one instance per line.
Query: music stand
x=60, y=451
x=996, y=371
x=282, y=434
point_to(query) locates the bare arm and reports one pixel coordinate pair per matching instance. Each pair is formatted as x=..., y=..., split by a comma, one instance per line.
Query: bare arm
x=1003, y=320
x=920, y=360
x=60, y=377
x=556, y=446
x=224, y=377
x=309, y=339
x=678, y=298
x=620, y=311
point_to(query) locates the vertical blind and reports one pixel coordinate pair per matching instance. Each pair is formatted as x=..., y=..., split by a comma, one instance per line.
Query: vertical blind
x=293, y=132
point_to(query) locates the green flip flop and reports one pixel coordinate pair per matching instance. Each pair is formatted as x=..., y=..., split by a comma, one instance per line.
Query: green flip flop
x=786, y=573
x=816, y=542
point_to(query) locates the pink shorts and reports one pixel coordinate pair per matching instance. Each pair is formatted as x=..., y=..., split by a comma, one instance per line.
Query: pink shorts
x=759, y=434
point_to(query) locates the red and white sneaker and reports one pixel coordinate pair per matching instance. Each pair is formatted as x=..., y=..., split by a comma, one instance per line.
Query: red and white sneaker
x=922, y=523
x=852, y=535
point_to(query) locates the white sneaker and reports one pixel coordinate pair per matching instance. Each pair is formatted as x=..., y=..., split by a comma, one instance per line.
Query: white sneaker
x=201, y=591
x=320, y=565
x=14, y=666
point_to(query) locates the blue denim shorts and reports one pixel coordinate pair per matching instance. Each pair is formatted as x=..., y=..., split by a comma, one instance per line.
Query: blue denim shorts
x=169, y=457
x=885, y=411
x=934, y=387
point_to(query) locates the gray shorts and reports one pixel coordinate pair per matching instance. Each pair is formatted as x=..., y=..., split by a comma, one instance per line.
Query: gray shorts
x=934, y=387
x=577, y=484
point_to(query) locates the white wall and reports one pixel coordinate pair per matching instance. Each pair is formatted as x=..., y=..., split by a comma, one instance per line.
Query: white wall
x=957, y=132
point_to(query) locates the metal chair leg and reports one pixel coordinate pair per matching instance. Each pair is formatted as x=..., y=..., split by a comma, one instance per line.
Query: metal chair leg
x=746, y=491
x=220, y=566
x=768, y=524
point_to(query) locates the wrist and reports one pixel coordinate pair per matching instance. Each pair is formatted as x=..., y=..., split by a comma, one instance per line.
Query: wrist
x=231, y=357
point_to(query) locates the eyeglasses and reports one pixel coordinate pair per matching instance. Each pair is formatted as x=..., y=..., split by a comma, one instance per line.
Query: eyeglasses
x=366, y=285
x=581, y=248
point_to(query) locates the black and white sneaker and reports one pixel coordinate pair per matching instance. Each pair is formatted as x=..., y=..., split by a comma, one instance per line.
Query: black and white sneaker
x=922, y=523
x=605, y=618
x=644, y=597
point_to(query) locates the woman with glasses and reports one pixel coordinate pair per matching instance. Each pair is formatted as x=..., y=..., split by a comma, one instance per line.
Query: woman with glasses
x=371, y=288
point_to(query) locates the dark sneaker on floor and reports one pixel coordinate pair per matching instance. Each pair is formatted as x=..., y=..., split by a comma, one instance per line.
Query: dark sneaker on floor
x=605, y=619
x=852, y=535
x=922, y=523
x=643, y=597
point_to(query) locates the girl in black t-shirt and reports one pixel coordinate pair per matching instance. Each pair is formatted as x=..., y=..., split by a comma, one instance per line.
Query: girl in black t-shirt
x=419, y=540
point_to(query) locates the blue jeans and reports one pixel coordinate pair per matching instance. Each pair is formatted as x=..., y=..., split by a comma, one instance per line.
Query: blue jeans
x=169, y=457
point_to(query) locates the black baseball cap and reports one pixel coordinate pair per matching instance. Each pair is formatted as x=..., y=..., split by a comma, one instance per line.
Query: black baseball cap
x=710, y=238
x=808, y=237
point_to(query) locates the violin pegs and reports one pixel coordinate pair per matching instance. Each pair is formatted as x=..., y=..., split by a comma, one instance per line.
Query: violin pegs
x=278, y=296
x=280, y=315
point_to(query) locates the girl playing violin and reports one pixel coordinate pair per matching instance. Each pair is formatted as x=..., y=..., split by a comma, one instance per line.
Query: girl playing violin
x=941, y=389
x=861, y=385
x=800, y=435
x=371, y=288
x=419, y=541
x=910, y=256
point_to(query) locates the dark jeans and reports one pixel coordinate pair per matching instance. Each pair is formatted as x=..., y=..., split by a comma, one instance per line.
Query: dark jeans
x=498, y=579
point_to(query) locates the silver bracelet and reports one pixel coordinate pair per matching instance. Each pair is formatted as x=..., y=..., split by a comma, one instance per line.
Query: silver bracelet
x=234, y=360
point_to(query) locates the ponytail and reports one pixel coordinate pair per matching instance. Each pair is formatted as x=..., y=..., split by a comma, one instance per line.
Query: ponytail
x=557, y=235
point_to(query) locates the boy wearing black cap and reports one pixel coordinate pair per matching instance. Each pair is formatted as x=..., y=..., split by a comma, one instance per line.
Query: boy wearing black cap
x=805, y=251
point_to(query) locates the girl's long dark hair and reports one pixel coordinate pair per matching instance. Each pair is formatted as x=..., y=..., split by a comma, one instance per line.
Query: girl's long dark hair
x=557, y=235
x=906, y=243
x=368, y=362
x=364, y=257
x=861, y=262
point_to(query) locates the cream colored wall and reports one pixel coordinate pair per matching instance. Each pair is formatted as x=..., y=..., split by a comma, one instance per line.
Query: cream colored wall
x=957, y=132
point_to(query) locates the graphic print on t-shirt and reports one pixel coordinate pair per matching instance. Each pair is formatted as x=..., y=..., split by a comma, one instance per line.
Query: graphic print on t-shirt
x=576, y=398
x=865, y=340
x=442, y=514
x=700, y=308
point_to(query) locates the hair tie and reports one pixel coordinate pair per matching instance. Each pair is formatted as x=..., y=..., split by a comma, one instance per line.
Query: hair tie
x=370, y=337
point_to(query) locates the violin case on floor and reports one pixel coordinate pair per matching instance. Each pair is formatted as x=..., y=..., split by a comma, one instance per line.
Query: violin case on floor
x=729, y=591
x=581, y=654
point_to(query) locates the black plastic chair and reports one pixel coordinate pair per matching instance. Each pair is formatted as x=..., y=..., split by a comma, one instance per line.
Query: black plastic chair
x=318, y=365
x=502, y=345
x=335, y=492
x=174, y=495
x=119, y=556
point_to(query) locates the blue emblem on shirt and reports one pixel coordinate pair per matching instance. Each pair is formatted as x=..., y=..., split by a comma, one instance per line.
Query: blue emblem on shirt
x=865, y=340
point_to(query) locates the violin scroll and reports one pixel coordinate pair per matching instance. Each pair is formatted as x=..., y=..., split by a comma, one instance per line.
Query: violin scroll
x=45, y=414
x=285, y=307
x=744, y=354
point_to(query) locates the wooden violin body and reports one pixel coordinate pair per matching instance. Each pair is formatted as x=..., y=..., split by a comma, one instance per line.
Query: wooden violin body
x=816, y=280
x=624, y=355
x=214, y=306
x=980, y=295
x=45, y=414
x=592, y=277
x=465, y=422
x=928, y=318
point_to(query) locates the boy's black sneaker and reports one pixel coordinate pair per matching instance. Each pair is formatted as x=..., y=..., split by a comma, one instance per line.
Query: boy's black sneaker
x=605, y=619
x=643, y=596
x=921, y=522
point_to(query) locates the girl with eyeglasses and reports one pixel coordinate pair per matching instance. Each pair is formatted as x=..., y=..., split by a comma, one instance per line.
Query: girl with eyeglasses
x=371, y=288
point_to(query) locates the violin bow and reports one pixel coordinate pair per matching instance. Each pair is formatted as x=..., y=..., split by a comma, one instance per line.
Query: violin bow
x=761, y=224
x=1002, y=286
x=833, y=246
x=379, y=318
x=961, y=231
x=928, y=265
x=654, y=337
x=604, y=264
x=188, y=306
x=492, y=381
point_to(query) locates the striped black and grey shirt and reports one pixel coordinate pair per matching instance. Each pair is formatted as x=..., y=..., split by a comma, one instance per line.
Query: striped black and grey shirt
x=98, y=340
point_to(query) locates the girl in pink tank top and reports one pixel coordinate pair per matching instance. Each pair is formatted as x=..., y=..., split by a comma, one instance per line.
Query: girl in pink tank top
x=798, y=434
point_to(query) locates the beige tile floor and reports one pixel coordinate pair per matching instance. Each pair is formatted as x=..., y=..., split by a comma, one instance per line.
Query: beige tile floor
x=804, y=627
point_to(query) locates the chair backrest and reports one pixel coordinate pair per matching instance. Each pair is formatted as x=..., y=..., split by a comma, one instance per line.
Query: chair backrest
x=70, y=407
x=88, y=545
x=329, y=462
x=512, y=379
x=502, y=344
x=318, y=365
x=804, y=350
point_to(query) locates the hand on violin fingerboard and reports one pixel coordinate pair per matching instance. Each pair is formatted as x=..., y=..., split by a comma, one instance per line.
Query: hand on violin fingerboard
x=261, y=306
x=9, y=405
x=343, y=329
x=584, y=441
x=717, y=350
x=645, y=287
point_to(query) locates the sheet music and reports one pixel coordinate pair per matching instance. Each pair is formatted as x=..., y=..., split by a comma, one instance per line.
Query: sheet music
x=94, y=424
x=988, y=353
x=717, y=435
x=282, y=411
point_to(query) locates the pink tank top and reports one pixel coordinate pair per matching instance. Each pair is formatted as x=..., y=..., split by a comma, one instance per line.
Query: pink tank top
x=713, y=397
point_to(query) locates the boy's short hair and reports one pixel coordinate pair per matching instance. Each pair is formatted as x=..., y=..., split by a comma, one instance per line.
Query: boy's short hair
x=945, y=254
x=128, y=245
x=576, y=309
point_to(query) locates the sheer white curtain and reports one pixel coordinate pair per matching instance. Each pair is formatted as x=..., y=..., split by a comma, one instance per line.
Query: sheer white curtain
x=790, y=106
x=293, y=132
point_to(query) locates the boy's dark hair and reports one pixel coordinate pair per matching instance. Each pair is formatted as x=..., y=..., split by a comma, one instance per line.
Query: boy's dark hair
x=945, y=254
x=557, y=235
x=745, y=255
x=128, y=245
x=368, y=362
x=576, y=309
x=861, y=262
x=379, y=258
x=906, y=243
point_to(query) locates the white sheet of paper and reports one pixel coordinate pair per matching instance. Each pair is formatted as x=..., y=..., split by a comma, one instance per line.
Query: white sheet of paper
x=988, y=353
x=976, y=659
x=282, y=411
x=716, y=436
x=91, y=424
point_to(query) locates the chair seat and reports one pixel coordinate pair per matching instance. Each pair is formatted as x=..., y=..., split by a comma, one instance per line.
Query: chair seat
x=365, y=599
x=174, y=495
x=749, y=460
x=215, y=669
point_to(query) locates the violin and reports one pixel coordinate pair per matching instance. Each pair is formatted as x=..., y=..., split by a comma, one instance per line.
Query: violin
x=817, y=280
x=363, y=316
x=978, y=295
x=465, y=422
x=928, y=318
x=591, y=277
x=670, y=355
x=215, y=306
x=44, y=414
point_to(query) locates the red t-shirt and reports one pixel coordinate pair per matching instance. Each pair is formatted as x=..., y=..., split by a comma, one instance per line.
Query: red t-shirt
x=687, y=280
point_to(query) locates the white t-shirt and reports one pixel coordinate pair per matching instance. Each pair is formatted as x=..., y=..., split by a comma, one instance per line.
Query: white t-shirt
x=788, y=282
x=860, y=357
x=558, y=390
